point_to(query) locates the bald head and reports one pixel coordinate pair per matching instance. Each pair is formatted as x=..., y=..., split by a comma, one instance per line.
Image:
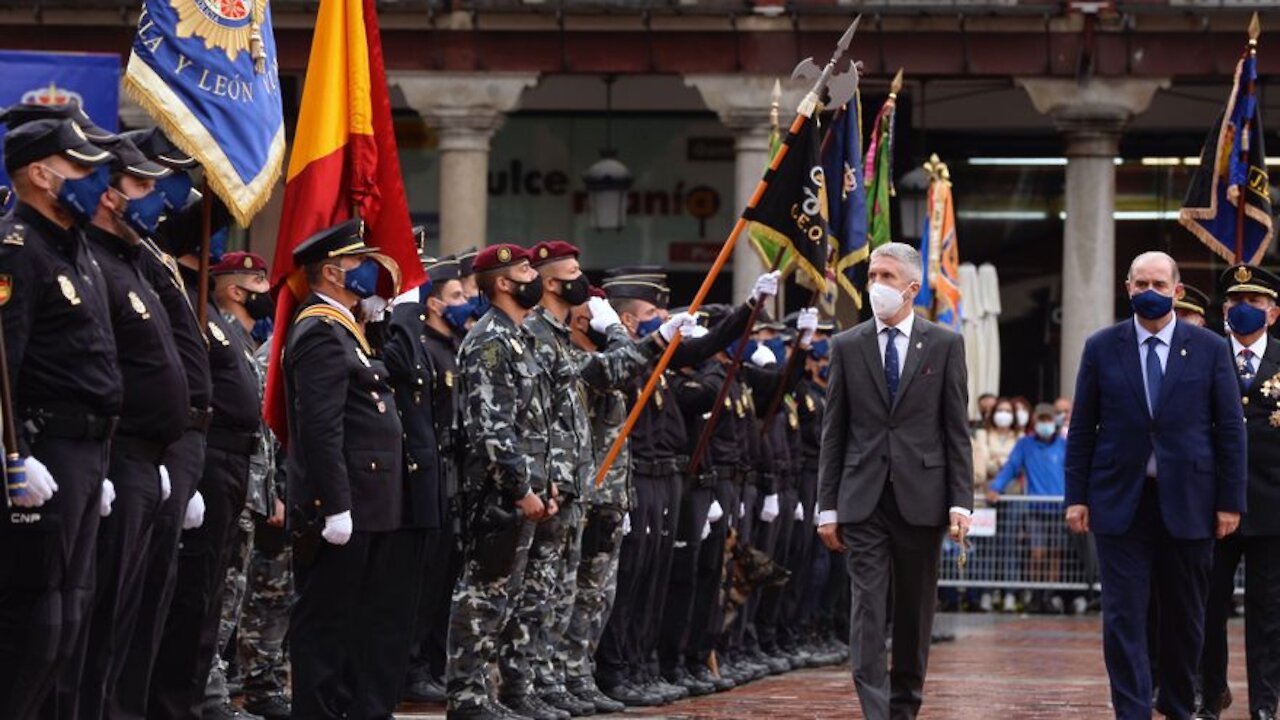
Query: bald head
x=1158, y=262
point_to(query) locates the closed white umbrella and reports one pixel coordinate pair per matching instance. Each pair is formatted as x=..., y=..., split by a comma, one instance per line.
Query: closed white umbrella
x=989, y=287
x=971, y=305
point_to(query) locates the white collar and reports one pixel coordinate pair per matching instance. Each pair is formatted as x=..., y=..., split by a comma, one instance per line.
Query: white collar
x=903, y=327
x=345, y=310
x=1259, y=346
x=1165, y=334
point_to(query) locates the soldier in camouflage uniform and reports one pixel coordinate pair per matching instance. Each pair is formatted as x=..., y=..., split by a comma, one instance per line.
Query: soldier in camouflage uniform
x=507, y=413
x=546, y=605
x=258, y=580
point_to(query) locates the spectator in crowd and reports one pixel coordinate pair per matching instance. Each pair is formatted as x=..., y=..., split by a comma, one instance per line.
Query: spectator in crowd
x=1021, y=415
x=992, y=445
x=1062, y=414
x=986, y=405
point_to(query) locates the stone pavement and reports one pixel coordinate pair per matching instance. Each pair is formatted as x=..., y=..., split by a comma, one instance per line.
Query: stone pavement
x=1017, y=667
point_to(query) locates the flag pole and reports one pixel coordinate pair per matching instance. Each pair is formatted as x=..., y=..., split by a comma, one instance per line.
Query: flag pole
x=806, y=109
x=206, y=220
x=1242, y=198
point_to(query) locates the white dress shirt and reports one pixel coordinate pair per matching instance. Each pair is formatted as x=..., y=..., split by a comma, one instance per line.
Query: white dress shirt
x=345, y=310
x=1258, y=348
x=1165, y=334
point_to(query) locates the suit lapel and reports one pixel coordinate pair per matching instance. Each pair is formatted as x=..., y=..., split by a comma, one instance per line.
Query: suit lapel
x=1127, y=348
x=916, y=347
x=870, y=347
x=1174, y=366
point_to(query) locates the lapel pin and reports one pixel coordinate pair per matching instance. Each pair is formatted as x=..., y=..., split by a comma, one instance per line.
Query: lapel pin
x=919, y=345
x=1184, y=352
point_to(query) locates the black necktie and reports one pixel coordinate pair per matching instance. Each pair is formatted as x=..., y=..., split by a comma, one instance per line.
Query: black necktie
x=891, y=370
x=1246, y=370
x=1155, y=373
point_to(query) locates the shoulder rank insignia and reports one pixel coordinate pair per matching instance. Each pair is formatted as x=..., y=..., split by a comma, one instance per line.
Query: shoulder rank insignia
x=448, y=378
x=216, y=333
x=138, y=306
x=515, y=344
x=68, y=290
x=16, y=236
x=6, y=288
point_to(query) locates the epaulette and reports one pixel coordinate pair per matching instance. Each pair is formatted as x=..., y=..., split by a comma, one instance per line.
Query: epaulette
x=15, y=235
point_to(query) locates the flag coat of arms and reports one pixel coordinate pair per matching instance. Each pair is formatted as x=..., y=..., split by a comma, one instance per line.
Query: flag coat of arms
x=842, y=159
x=939, y=296
x=206, y=71
x=1233, y=170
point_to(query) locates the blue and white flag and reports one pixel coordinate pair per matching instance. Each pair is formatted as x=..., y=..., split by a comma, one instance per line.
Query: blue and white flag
x=206, y=71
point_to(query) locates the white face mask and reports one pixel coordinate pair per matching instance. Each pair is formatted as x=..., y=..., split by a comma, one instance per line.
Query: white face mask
x=1002, y=418
x=1023, y=418
x=885, y=301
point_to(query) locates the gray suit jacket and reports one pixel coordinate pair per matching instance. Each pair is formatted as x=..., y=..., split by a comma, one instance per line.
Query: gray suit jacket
x=920, y=444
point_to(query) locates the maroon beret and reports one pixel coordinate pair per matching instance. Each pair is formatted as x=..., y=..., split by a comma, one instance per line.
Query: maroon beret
x=495, y=257
x=239, y=262
x=550, y=251
x=598, y=292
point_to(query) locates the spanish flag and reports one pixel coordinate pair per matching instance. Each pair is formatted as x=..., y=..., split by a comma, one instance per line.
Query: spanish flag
x=343, y=162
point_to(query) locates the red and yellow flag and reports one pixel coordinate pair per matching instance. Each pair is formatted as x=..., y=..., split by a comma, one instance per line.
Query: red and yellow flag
x=344, y=161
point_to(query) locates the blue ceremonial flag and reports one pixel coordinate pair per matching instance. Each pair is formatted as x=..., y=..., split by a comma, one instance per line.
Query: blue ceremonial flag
x=848, y=200
x=1233, y=166
x=46, y=78
x=206, y=71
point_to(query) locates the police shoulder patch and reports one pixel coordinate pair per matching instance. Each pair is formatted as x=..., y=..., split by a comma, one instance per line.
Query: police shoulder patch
x=489, y=356
x=16, y=235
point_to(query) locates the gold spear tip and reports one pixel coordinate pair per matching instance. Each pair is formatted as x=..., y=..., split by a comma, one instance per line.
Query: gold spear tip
x=1255, y=28
x=777, y=92
x=896, y=87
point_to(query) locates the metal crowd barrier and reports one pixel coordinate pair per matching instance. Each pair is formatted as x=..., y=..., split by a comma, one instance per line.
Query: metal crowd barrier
x=1023, y=544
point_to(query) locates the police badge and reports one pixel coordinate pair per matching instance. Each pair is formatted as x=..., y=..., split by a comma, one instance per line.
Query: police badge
x=138, y=306
x=68, y=290
x=228, y=24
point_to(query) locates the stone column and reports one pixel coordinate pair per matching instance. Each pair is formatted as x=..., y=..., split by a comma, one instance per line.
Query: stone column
x=465, y=109
x=742, y=102
x=1091, y=117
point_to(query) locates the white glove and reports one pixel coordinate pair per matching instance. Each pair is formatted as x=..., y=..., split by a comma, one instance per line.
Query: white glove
x=692, y=331
x=763, y=357
x=108, y=497
x=603, y=316
x=674, y=324
x=337, y=528
x=807, y=324
x=408, y=296
x=742, y=510
x=715, y=512
x=766, y=285
x=626, y=524
x=166, y=487
x=769, y=511
x=40, y=485
x=195, y=512
x=706, y=529
x=799, y=512
x=373, y=307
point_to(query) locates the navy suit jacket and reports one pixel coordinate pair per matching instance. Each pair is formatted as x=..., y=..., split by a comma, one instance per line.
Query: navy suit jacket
x=1197, y=433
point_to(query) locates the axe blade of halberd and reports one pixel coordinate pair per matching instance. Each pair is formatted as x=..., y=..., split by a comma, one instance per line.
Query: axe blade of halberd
x=840, y=88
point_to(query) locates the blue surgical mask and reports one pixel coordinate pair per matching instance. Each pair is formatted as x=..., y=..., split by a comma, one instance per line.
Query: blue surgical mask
x=649, y=327
x=457, y=316
x=262, y=330
x=1151, y=305
x=479, y=306
x=779, y=348
x=218, y=244
x=175, y=189
x=143, y=214
x=824, y=372
x=362, y=279
x=820, y=349
x=1046, y=429
x=80, y=196
x=1246, y=319
x=732, y=349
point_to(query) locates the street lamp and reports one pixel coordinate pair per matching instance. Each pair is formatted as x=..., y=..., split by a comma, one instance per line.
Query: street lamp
x=607, y=180
x=913, y=194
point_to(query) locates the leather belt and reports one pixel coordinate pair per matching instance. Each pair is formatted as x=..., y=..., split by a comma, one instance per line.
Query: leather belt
x=661, y=468
x=198, y=419
x=69, y=422
x=138, y=448
x=232, y=441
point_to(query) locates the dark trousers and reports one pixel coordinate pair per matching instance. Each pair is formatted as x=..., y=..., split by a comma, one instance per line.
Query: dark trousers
x=184, y=460
x=340, y=624
x=885, y=551
x=707, y=624
x=678, y=605
x=124, y=541
x=769, y=615
x=47, y=575
x=191, y=631
x=1261, y=619
x=618, y=655
x=440, y=569
x=668, y=498
x=1133, y=565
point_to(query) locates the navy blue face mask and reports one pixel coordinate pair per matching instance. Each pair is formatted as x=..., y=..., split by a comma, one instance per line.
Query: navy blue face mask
x=824, y=372
x=175, y=189
x=820, y=349
x=1246, y=319
x=80, y=196
x=649, y=327
x=362, y=279
x=457, y=316
x=732, y=349
x=218, y=244
x=479, y=306
x=779, y=348
x=143, y=214
x=1151, y=305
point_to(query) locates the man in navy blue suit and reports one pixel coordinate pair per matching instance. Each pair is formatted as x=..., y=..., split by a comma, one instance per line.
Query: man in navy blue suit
x=1156, y=470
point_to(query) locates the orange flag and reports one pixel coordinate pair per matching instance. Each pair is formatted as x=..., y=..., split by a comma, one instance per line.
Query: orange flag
x=344, y=161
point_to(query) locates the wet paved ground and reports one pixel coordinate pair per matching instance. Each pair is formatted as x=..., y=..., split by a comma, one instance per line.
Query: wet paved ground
x=1020, y=668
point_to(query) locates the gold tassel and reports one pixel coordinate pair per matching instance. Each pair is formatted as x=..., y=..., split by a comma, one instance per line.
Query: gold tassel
x=256, y=50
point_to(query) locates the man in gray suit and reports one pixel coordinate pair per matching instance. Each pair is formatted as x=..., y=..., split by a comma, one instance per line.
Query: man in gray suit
x=895, y=463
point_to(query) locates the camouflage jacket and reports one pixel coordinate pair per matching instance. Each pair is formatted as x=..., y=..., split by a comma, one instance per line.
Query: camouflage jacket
x=573, y=370
x=506, y=409
x=262, y=492
x=608, y=415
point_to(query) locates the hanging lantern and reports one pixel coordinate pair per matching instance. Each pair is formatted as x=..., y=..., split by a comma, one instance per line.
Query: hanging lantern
x=607, y=181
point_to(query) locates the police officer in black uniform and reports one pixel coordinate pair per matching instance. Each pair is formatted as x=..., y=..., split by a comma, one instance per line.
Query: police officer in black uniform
x=345, y=491
x=154, y=415
x=66, y=385
x=446, y=311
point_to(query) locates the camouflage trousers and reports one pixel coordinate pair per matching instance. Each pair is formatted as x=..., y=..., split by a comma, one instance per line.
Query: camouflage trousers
x=597, y=584
x=493, y=571
x=538, y=603
x=215, y=692
x=549, y=664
